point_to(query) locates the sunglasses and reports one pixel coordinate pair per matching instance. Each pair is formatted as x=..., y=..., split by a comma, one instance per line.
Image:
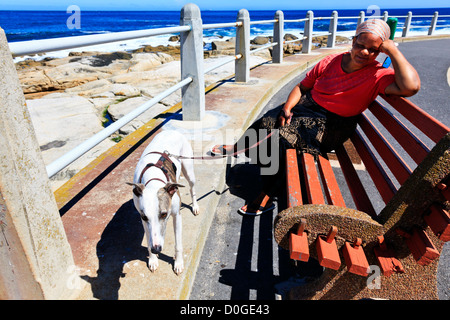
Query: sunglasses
x=371, y=51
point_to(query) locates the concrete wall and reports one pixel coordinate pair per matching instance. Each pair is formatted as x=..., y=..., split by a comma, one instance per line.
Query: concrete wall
x=35, y=257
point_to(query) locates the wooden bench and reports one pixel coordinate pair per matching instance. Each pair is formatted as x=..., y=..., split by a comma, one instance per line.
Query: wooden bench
x=404, y=239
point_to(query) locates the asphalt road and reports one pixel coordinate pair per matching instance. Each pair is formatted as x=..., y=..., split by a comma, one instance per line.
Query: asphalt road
x=241, y=260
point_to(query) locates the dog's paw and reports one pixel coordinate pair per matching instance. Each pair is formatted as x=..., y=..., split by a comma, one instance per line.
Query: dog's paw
x=153, y=263
x=195, y=209
x=178, y=266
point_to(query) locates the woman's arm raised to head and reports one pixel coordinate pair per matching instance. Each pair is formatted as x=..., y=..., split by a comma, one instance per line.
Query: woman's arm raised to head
x=407, y=81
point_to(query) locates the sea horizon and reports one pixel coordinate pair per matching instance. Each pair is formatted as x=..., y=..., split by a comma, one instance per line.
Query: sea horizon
x=203, y=10
x=26, y=25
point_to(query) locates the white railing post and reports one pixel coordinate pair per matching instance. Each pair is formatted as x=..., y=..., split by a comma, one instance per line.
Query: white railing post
x=242, y=65
x=433, y=23
x=278, y=30
x=307, y=42
x=385, y=16
x=361, y=18
x=36, y=260
x=331, y=42
x=191, y=51
x=407, y=24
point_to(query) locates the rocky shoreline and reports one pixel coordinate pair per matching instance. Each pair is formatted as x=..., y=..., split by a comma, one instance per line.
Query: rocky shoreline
x=70, y=99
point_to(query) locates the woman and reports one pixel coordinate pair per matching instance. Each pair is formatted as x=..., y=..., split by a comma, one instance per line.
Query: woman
x=321, y=111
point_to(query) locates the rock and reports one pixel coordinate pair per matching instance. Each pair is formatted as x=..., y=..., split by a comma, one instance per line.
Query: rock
x=59, y=78
x=82, y=53
x=81, y=68
x=105, y=59
x=147, y=61
x=100, y=104
x=174, y=38
x=322, y=40
x=61, y=124
x=72, y=75
x=35, y=81
x=174, y=51
x=104, y=68
x=289, y=37
x=291, y=48
x=76, y=115
x=124, y=90
x=153, y=91
x=103, y=89
x=28, y=63
x=90, y=88
x=118, y=110
x=223, y=45
x=260, y=40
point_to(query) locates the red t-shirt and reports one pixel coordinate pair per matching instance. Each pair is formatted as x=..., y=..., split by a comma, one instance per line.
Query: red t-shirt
x=346, y=94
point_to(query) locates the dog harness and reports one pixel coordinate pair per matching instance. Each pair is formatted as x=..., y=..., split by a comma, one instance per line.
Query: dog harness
x=165, y=165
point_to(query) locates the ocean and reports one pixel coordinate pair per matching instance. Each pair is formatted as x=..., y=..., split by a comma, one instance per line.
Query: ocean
x=33, y=25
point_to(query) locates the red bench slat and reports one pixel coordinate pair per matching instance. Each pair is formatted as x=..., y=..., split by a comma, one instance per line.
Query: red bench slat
x=315, y=195
x=434, y=129
x=381, y=180
x=392, y=159
x=294, y=192
x=332, y=191
x=355, y=186
x=416, y=149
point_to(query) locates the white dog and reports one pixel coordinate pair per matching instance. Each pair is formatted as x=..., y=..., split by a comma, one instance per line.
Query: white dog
x=155, y=192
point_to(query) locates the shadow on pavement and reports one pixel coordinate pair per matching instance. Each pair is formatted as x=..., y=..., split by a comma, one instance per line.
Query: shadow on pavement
x=121, y=242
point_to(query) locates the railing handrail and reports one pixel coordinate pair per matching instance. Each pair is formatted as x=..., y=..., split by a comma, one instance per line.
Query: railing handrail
x=21, y=48
x=55, y=44
x=221, y=25
x=295, y=20
x=263, y=21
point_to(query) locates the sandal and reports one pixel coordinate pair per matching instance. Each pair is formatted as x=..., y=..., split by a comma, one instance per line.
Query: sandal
x=265, y=205
x=261, y=210
x=220, y=149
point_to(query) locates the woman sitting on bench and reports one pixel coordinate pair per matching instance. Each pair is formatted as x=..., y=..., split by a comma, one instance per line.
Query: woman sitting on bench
x=321, y=112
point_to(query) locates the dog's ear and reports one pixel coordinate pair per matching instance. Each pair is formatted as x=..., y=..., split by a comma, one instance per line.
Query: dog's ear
x=171, y=188
x=138, y=188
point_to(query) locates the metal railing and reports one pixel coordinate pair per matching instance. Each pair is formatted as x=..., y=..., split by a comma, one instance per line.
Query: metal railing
x=191, y=52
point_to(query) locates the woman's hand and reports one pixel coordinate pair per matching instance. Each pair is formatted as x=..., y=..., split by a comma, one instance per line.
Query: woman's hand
x=388, y=47
x=285, y=117
x=294, y=97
